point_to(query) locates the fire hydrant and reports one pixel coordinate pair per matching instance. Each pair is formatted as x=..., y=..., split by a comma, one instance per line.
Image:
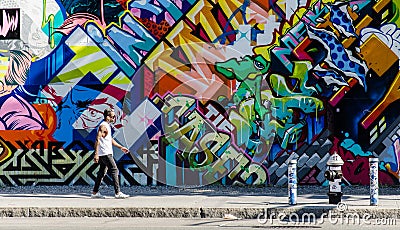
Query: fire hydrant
x=334, y=175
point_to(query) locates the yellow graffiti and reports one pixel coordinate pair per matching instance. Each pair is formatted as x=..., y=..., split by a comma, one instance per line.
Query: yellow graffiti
x=5, y=151
x=50, y=21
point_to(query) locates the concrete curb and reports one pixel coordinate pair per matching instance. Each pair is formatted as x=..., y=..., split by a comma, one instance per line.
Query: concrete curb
x=242, y=213
x=245, y=213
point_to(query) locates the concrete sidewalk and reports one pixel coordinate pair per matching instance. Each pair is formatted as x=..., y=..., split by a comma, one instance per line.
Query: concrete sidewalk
x=191, y=204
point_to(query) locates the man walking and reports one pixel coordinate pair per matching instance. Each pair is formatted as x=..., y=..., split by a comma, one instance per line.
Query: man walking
x=103, y=154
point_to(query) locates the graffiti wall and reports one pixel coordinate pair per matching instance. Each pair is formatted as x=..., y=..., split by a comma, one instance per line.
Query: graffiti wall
x=205, y=91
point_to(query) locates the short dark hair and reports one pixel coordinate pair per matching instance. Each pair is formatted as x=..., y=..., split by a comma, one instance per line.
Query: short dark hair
x=107, y=112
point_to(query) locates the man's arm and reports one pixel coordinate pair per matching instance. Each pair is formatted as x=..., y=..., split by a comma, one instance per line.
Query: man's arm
x=123, y=149
x=102, y=130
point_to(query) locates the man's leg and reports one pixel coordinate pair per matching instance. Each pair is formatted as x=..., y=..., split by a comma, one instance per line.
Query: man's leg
x=100, y=175
x=110, y=163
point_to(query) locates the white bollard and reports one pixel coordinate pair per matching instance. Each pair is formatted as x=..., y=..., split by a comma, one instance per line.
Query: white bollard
x=374, y=182
x=292, y=182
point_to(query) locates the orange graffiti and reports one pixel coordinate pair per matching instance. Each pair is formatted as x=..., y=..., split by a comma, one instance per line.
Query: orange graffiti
x=30, y=136
x=5, y=151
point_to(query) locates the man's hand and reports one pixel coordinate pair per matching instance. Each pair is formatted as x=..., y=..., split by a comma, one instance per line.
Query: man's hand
x=124, y=149
x=96, y=158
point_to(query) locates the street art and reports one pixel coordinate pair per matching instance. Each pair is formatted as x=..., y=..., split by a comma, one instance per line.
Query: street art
x=9, y=26
x=205, y=91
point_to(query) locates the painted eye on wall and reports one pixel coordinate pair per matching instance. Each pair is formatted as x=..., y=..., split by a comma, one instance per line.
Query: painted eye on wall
x=259, y=65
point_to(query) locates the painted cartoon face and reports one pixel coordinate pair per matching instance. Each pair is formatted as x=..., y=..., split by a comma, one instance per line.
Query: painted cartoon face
x=248, y=67
x=37, y=38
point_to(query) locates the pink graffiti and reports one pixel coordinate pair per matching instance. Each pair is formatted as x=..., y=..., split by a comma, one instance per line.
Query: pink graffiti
x=10, y=23
x=78, y=19
x=17, y=114
x=394, y=166
x=356, y=168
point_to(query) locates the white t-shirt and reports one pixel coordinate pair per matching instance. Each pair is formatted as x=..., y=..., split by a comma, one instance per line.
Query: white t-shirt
x=104, y=146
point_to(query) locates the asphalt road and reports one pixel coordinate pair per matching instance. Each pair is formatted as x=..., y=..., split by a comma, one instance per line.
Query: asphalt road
x=171, y=223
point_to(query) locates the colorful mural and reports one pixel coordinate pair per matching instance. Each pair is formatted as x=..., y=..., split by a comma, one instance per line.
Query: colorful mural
x=205, y=91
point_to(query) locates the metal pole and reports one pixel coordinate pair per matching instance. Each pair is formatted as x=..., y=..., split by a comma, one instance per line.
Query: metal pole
x=292, y=182
x=373, y=181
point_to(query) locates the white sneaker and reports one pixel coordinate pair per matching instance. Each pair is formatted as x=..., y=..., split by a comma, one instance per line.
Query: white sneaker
x=120, y=195
x=97, y=196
